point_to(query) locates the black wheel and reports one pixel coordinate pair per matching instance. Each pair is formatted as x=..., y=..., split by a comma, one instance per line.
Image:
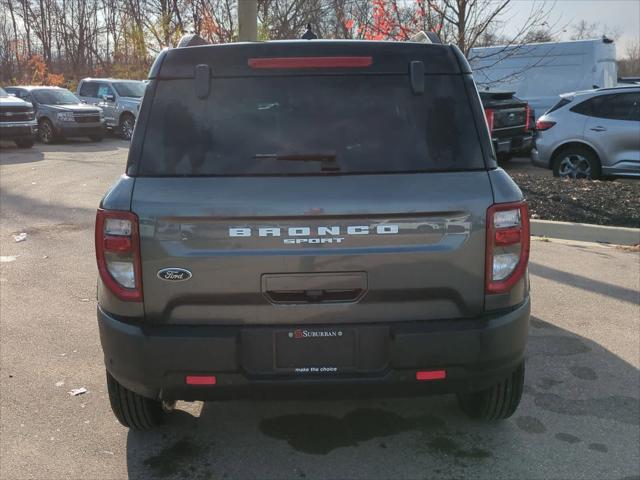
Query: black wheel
x=24, y=143
x=96, y=138
x=127, y=122
x=132, y=410
x=576, y=162
x=497, y=402
x=46, y=131
x=504, y=157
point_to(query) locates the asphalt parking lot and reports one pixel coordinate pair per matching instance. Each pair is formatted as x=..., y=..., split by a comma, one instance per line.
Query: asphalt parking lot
x=580, y=415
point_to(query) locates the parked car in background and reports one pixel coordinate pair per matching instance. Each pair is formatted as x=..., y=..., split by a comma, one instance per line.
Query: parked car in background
x=539, y=72
x=510, y=121
x=591, y=134
x=120, y=100
x=17, y=120
x=60, y=114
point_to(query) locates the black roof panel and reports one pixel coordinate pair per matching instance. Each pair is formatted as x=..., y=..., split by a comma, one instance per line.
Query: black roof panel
x=231, y=60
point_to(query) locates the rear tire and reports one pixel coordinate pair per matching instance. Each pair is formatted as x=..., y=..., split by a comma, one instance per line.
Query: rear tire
x=497, y=402
x=132, y=410
x=96, y=138
x=504, y=157
x=576, y=162
x=24, y=143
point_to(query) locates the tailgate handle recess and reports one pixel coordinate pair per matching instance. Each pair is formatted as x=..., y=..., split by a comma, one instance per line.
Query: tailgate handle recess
x=314, y=288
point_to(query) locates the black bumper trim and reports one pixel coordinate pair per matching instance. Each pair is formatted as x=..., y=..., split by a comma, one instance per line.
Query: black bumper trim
x=153, y=361
x=80, y=130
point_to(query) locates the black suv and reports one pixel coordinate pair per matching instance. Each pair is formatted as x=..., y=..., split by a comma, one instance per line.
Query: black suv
x=303, y=218
x=511, y=123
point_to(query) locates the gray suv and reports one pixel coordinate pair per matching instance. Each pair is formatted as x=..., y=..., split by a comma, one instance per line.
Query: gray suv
x=60, y=114
x=306, y=219
x=591, y=134
x=120, y=100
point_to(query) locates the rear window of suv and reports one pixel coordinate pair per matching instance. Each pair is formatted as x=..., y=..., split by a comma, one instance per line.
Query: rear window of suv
x=306, y=125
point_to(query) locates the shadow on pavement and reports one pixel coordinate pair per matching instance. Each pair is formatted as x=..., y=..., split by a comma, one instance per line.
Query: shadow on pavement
x=585, y=283
x=10, y=154
x=109, y=143
x=569, y=407
x=31, y=209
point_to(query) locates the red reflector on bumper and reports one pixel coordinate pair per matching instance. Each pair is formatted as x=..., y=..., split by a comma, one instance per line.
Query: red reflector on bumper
x=200, y=380
x=431, y=375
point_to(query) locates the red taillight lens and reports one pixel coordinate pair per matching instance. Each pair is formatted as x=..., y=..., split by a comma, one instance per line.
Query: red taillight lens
x=118, y=253
x=310, y=62
x=507, y=253
x=543, y=125
x=489, y=114
x=527, y=122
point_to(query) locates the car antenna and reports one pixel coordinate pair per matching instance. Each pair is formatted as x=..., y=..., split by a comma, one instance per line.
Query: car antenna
x=309, y=35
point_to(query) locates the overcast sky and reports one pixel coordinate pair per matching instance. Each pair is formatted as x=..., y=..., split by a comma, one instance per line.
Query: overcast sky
x=620, y=15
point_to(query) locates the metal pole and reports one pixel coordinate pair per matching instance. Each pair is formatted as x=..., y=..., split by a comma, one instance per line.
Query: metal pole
x=247, y=20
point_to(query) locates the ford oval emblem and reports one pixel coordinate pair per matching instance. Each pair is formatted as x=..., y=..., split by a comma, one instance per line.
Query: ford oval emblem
x=174, y=274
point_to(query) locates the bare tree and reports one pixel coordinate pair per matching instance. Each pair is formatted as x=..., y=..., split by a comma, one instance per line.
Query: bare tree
x=584, y=30
x=629, y=66
x=540, y=35
x=120, y=37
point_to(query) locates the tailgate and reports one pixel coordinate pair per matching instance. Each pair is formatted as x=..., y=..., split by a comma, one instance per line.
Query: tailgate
x=312, y=250
x=509, y=118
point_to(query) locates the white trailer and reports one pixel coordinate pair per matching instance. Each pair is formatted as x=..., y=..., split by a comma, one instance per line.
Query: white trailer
x=540, y=72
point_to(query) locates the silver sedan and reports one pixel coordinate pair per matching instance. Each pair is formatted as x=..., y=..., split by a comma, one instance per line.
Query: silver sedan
x=591, y=134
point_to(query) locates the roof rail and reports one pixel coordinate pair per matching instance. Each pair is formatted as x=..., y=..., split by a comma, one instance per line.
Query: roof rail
x=425, y=37
x=191, y=40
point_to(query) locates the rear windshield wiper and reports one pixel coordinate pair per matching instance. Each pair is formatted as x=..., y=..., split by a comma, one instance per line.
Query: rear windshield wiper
x=328, y=160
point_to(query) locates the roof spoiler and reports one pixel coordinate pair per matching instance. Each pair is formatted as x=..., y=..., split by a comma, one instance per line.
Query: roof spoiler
x=425, y=37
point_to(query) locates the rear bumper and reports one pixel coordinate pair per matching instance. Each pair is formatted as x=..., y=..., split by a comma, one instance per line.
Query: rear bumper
x=154, y=361
x=514, y=144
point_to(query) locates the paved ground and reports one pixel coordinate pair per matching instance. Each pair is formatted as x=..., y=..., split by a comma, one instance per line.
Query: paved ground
x=579, y=418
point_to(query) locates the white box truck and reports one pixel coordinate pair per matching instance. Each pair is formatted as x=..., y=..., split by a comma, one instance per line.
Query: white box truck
x=540, y=72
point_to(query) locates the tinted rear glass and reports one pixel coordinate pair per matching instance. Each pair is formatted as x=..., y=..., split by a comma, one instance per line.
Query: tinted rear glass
x=130, y=89
x=367, y=123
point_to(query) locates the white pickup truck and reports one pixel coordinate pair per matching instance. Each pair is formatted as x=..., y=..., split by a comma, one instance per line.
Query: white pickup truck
x=539, y=72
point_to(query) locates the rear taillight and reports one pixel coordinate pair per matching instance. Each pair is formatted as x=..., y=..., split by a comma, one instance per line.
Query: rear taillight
x=507, y=246
x=489, y=114
x=543, y=125
x=118, y=253
x=527, y=114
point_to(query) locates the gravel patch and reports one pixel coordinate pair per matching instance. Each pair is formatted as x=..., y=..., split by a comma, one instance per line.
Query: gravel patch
x=613, y=203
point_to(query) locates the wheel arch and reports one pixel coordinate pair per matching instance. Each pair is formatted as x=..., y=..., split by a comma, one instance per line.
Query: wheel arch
x=573, y=143
x=125, y=114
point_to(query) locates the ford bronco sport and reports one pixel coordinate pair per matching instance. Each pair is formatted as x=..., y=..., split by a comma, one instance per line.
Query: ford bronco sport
x=300, y=218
